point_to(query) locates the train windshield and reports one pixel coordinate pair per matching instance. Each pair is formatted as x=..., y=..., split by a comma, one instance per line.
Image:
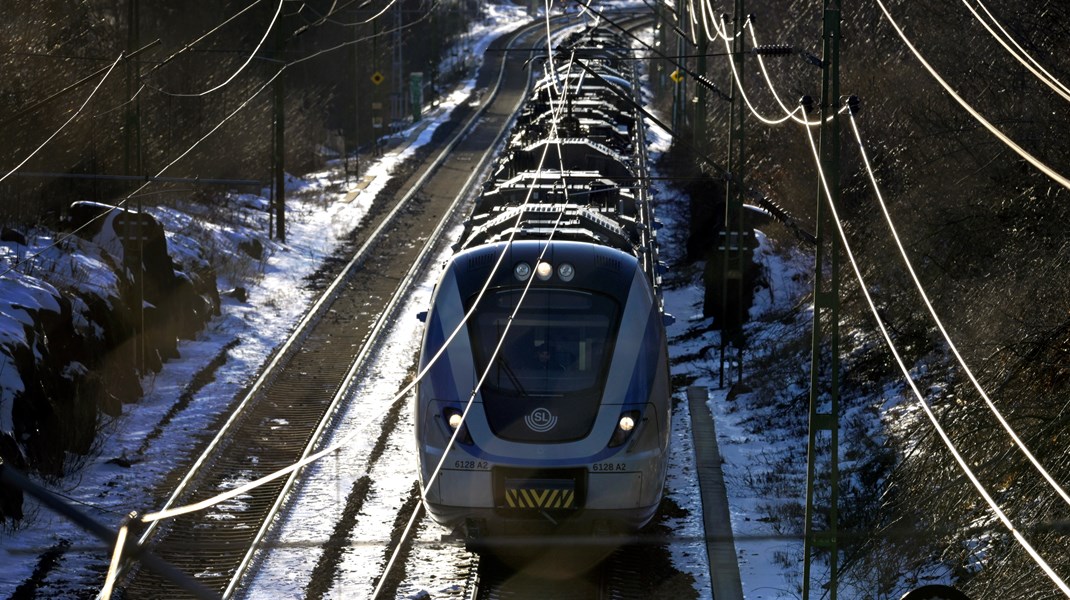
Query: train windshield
x=558, y=344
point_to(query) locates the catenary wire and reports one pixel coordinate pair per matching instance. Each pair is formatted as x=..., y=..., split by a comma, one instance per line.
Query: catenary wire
x=209, y=502
x=252, y=55
x=509, y=322
x=963, y=466
x=1028, y=62
x=116, y=562
x=739, y=84
x=768, y=81
x=973, y=112
x=940, y=325
x=203, y=36
x=65, y=124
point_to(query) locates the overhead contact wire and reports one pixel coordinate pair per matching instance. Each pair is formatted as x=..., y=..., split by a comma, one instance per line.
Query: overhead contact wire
x=1038, y=71
x=739, y=86
x=66, y=123
x=248, y=60
x=943, y=330
x=1063, y=181
x=963, y=466
x=772, y=88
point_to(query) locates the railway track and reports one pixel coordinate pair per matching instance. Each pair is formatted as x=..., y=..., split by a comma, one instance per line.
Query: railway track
x=284, y=416
x=280, y=420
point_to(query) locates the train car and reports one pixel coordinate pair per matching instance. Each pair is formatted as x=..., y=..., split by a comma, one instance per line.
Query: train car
x=544, y=408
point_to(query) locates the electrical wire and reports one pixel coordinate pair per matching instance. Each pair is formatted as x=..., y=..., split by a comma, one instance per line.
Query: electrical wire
x=113, y=566
x=940, y=325
x=346, y=44
x=252, y=55
x=508, y=325
x=742, y=92
x=963, y=466
x=1028, y=61
x=202, y=37
x=769, y=83
x=1063, y=181
x=66, y=123
x=683, y=68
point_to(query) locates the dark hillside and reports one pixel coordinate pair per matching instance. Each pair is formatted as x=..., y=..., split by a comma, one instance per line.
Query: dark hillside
x=987, y=233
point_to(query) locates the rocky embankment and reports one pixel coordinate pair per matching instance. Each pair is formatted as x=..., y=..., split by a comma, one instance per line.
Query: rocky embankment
x=83, y=314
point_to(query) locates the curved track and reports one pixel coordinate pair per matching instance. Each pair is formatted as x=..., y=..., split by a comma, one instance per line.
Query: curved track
x=280, y=419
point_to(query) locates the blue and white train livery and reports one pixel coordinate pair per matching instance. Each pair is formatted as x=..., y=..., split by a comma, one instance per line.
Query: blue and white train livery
x=545, y=341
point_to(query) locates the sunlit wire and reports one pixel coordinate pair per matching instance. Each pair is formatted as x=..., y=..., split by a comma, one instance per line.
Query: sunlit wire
x=1028, y=62
x=65, y=124
x=976, y=115
x=426, y=15
x=113, y=566
x=940, y=325
x=772, y=88
x=252, y=55
x=739, y=86
x=963, y=466
x=203, y=36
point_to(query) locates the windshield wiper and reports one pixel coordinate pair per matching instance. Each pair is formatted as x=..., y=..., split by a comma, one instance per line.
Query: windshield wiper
x=503, y=365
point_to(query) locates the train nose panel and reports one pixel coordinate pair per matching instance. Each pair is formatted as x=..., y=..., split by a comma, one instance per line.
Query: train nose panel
x=542, y=420
x=537, y=493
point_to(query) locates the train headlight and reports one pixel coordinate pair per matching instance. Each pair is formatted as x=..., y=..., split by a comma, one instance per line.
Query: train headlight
x=455, y=419
x=544, y=271
x=629, y=420
x=522, y=271
x=566, y=272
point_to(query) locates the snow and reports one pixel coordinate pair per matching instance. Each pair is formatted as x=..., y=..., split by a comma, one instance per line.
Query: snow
x=317, y=222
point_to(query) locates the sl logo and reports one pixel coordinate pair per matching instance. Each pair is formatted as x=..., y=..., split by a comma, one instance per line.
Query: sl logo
x=540, y=420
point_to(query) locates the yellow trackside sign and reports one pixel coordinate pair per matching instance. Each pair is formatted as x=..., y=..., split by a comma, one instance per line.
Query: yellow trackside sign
x=676, y=76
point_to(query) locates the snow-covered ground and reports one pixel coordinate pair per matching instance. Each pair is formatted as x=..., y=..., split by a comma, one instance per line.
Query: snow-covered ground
x=317, y=224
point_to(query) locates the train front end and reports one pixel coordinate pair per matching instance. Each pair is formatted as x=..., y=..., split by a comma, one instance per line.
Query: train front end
x=554, y=392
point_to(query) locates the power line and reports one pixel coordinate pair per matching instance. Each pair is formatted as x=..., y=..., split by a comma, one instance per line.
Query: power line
x=963, y=466
x=1020, y=54
x=252, y=55
x=940, y=325
x=1063, y=181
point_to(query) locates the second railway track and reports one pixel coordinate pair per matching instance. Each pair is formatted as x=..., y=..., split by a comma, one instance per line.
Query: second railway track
x=280, y=419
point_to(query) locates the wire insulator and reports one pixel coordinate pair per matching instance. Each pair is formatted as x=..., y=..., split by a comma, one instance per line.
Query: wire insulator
x=853, y=104
x=773, y=50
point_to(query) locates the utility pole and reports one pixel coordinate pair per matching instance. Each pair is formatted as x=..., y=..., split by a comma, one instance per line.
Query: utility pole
x=679, y=94
x=132, y=232
x=823, y=490
x=397, y=97
x=733, y=242
x=354, y=55
x=280, y=136
x=699, y=126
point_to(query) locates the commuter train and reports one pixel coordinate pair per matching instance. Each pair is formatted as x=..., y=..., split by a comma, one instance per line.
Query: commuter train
x=545, y=407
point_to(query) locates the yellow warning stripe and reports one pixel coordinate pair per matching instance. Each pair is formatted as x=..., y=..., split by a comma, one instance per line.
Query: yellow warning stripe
x=539, y=498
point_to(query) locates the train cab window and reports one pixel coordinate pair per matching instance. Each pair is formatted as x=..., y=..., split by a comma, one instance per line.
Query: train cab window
x=558, y=343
